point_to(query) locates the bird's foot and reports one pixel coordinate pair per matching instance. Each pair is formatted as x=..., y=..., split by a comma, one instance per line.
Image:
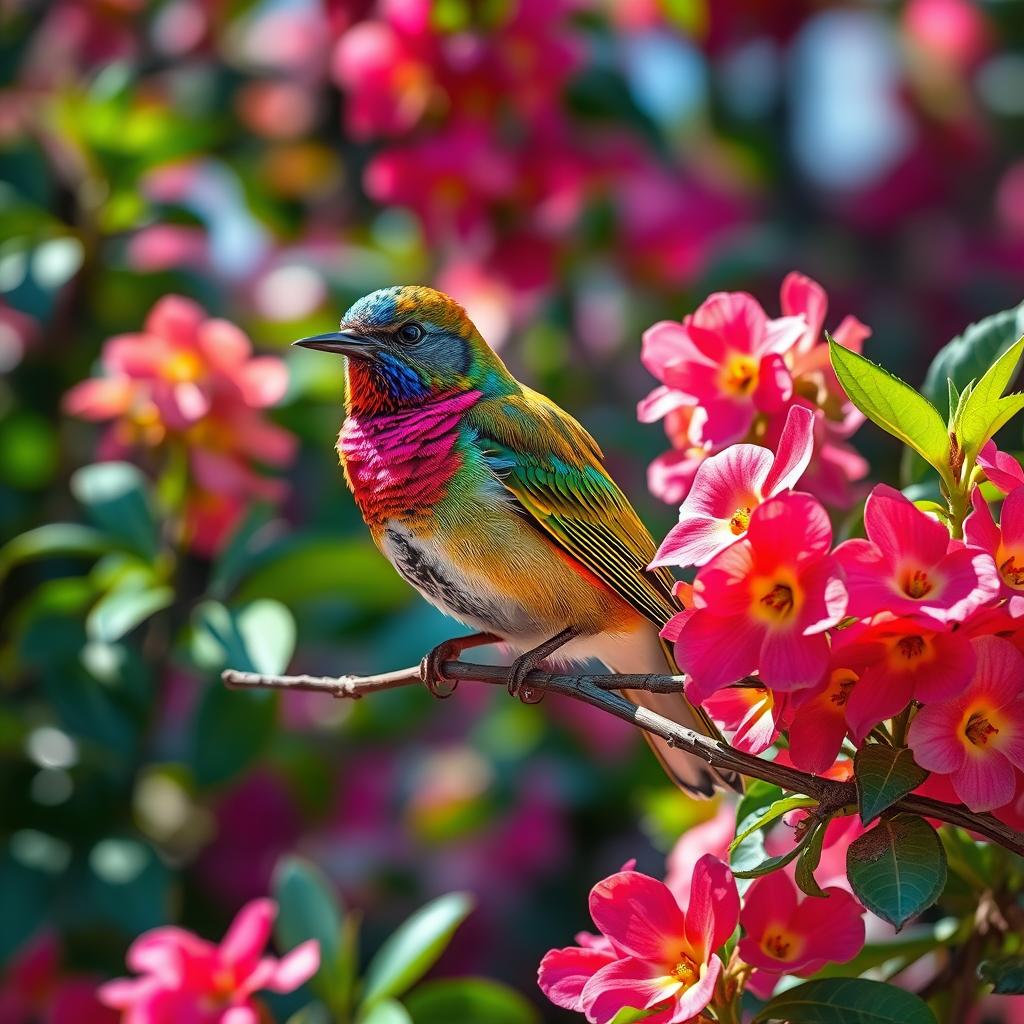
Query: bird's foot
x=432, y=671
x=517, y=673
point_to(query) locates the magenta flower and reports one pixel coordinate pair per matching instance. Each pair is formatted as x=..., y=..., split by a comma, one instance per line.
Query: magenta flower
x=187, y=979
x=728, y=487
x=712, y=836
x=751, y=715
x=909, y=566
x=1001, y=468
x=655, y=955
x=763, y=605
x=787, y=934
x=670, y=475
x=727, y=358
x=977, y=739
x=1005, y=543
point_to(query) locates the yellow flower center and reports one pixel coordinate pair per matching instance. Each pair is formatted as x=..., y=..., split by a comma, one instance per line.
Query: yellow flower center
x=685, y=970
x=740, y=520
x=779, y=943
x=1012, y=573
x=979, y=729
x=779, y=601
x=910, y=647
x=739, y=375
x=916, y=584
x=182, y=367
x=840, y=685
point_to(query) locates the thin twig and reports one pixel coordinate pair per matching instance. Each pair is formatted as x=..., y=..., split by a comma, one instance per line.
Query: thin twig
x=598, y=691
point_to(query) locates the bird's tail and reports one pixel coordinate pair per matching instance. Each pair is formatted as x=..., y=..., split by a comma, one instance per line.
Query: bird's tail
x=646, y=652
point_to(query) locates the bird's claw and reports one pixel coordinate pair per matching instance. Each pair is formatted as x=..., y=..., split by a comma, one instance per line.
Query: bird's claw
x=432, y=670
x=517, y=674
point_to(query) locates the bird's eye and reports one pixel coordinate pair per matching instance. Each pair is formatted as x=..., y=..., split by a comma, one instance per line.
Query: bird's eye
x=410, y=333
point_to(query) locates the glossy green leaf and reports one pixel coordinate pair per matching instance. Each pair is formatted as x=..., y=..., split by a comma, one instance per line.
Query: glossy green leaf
x=883, y=775
x=761, y=805
x=118, y=612
x=986, y=410
x=971, y=353
x=763, y=817
x=893, y=405
x=115, y=497
x=415, y=947
x=808, y=861
x=1005, y=974
x=232, y=728
x=309, y=909
x=259, y=637
x=846, y=1001
x=898, y=868
x=479, y=1000
x=388, y=1011
x=54, y=540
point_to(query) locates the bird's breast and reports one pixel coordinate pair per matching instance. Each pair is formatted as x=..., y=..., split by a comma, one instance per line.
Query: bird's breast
x=399, y=465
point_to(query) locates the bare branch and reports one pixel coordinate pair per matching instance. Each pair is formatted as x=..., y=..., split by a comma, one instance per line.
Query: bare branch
x=598, y=691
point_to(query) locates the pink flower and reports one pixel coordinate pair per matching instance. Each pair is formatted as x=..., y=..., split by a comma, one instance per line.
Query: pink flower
x=764, y=603
x=977, y=739
x=725, y=357
x=185, y=978
x=193, y=381
x=712, y=836
x=817, y=725
x=728, y=487
x=670, y=475
x=752, y=715
x=658, y=956
x=787, y=934
x=909, y=566
x=1001, y=468
x=1005, y=543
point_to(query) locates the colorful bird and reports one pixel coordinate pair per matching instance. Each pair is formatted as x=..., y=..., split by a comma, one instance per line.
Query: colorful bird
x=492, y=502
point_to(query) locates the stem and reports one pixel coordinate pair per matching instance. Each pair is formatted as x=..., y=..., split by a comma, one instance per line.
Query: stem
x=596, y=690
x=899, y=727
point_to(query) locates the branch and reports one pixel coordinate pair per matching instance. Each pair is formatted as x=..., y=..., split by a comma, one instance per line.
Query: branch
x=598, y=691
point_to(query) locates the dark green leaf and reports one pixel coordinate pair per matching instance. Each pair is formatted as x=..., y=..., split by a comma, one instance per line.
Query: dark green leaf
x=846, y=1001
x=883, y=775
x=53, y=540
x=1004, y=973
x=309, y=909
x=314, y=1013
x=810, y=857
x=762, y=804
x=764, y=817
x=893, y=404
x=898, y=868
x=114, y=494
x=120, y=611
x=414, y=947
x=970, y=354
x=232, y=728
x=469, y=999
x=257, y=638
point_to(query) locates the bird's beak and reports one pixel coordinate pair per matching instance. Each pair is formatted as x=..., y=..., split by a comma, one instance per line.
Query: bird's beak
x=340, y=342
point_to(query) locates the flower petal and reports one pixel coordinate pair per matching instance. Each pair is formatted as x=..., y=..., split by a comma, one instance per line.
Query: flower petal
x=639, y=914
x=985, y=781
x=629, y=982
x=563, y=973
x=294, y=969
x=714, y=907
x=793, y=453
x=247, y=937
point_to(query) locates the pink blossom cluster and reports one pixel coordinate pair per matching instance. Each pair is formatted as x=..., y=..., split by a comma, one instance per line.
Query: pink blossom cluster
x=189, y=385
x=730, y=374
x=659, y=943
x=185, y=978
x=782, y=631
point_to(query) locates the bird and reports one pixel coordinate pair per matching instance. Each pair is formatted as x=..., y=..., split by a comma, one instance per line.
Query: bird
x=493, y=502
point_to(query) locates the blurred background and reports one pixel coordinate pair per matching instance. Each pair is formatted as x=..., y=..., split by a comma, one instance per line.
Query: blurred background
x=572, y=171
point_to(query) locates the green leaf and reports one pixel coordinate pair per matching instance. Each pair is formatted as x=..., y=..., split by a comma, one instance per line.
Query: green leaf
x=762, y=817
x=232, y=728
x=257, y=638
x=893, y=404
x=118, y=612
x=883, y=775
x=898, y=868
x=971, y=353
x=762, y=804
x=953, y=396
x=846, y=1001
x=309, y=909
x=807, y=864
x=314, y=1013
x=53, y=540
x=985, y=411
x=237, y=556
x=114, y=494
x=386, y=1012
x=479, y=1000
x=1004, y=973
x=414, y=947
x=298, y=572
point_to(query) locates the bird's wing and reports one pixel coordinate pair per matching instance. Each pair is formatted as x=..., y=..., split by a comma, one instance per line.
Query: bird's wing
x=553, y=468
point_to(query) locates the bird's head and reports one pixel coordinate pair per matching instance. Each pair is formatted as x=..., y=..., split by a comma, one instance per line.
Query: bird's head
x=406, y=345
